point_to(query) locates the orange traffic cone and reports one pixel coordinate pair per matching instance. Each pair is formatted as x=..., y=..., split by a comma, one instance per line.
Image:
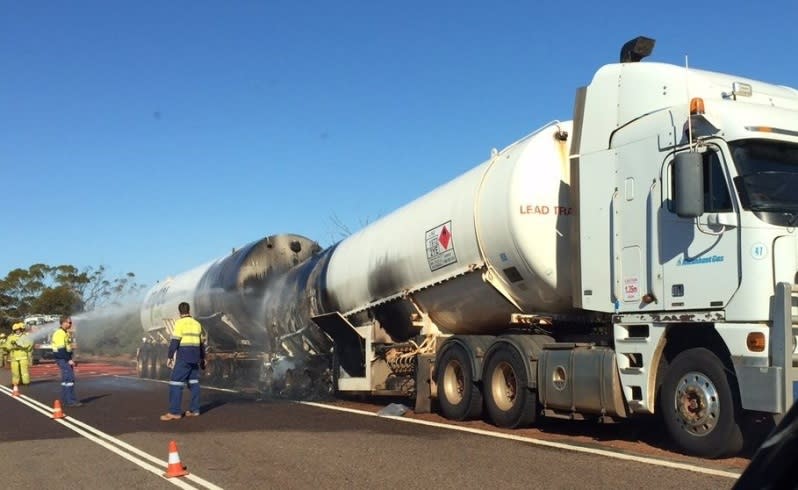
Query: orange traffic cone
x=57, y=412
x=16, y=391
x=175, y=467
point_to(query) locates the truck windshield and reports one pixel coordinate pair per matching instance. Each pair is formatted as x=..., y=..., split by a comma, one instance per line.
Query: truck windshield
x=768, y=179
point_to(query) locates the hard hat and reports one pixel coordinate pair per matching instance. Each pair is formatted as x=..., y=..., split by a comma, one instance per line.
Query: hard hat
x=18, y=326
x=2, y=335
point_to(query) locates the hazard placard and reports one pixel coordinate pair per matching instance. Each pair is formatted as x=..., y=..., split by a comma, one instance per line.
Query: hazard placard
x=440, y=246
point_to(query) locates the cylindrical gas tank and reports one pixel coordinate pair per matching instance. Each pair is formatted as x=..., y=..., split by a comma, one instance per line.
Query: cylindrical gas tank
x=228, y=295
x=159, y=309
x=489, y=243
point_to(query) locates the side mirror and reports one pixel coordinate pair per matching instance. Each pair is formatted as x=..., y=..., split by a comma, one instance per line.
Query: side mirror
x=688, y=185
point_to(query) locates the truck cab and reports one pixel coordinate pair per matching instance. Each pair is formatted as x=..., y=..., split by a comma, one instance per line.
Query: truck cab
x=693, y=199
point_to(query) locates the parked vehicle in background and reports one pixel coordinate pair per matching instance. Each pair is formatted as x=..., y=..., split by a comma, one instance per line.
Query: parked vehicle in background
x=40, y=329
x=42, y=350
x=34, y=321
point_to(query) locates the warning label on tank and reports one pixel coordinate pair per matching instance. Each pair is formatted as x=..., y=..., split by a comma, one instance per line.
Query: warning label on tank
x=440, y=246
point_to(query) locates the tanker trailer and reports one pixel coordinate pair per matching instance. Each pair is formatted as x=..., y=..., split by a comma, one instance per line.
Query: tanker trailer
x=435, y=282
x=237, y=300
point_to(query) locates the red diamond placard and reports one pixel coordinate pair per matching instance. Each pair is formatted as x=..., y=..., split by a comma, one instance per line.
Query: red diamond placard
x=444, y=238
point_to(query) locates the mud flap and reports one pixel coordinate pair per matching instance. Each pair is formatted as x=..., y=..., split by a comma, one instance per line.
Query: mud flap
x=424, y=383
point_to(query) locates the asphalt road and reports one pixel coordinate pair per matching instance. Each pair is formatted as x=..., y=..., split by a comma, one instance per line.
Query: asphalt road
x=116, y=440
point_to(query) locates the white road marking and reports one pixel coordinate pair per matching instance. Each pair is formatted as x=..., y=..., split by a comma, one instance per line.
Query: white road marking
x=105, y=440
x=540, y=442
x=164, y=381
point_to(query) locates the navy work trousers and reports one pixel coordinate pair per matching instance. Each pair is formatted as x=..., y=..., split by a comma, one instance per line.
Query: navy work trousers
x=182, y=373
x=67, y=382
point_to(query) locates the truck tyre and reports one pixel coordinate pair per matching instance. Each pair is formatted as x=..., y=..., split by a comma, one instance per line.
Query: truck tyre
x=701, y=412
x=153, y=365
x=161, y=371
x=459, y=397
x=143, y=363
x=508, y=399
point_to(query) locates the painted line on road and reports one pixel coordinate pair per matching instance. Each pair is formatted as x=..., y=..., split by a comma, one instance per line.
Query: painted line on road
x=95, y=435
x=540, y=442
x=204, y=387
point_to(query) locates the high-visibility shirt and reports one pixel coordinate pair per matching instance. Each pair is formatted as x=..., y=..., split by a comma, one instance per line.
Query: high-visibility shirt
x=19, y=346
x=62, y=347
x=187, y=340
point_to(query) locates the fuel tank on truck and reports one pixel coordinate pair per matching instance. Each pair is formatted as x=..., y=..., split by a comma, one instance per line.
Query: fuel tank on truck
x=491, y=242
x=227, y=294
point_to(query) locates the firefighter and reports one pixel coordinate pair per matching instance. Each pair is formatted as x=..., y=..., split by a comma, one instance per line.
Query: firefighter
x=20, y=350
x=62, y=352
x=3, y=351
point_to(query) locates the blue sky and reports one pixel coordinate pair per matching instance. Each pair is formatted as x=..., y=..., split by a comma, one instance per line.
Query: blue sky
x=153, y=136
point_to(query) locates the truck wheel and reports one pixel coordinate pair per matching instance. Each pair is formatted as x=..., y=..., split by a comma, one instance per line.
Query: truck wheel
x=700, y=411
x=458, y=395
x=217, y=371
x=154, y=362
x=160, y=370
x=142, y=362
x=146, y=364
x=509, y=400
x=289, y=385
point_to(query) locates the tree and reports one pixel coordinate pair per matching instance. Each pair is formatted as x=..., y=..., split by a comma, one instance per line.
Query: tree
x=62, y=289
x=342, y=230
x=19, y=288
x=96, y=290
x=60, y=299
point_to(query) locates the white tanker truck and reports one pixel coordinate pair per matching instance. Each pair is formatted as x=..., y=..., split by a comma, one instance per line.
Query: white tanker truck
x=639, y=260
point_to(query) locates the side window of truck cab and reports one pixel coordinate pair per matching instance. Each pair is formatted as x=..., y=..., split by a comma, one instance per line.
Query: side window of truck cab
x=716, y=191
x=717, y=198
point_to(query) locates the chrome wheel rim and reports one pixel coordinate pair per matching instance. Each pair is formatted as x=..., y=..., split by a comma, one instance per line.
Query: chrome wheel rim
x=697, y=404
x=504, y=386
x=454, y=382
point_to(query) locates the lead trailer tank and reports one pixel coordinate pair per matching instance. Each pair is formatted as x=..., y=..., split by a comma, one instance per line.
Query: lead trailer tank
x=473, y=251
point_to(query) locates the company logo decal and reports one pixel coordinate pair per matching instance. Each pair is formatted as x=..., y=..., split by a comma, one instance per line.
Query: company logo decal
x=701, y=260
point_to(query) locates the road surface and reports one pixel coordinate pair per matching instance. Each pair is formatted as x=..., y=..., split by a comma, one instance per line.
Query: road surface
x=116, y=440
